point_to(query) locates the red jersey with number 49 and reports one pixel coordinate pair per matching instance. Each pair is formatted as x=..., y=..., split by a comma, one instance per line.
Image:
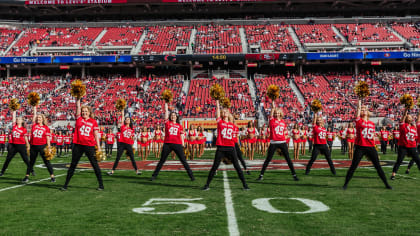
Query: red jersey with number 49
x=18, y=135
x=408, y=136
x=127, y=135
x=320, y=135
x=277, y=130
x=39, y=134
x=2, y=138
x=384, y=135
x=365, y=133
x=110, y=138
x=225, y=136
x=173, y=132
x=84, y=132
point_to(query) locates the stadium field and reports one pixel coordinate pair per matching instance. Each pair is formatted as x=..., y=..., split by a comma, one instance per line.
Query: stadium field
x=173, y=205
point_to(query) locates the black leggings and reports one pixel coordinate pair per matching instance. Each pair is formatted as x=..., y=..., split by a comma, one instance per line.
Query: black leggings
x=412, y=161
x=383, y=146
x=12, y=150
x=108, y=149
x=229, y=152
x=123, y=147
x=239, y=154
x=35, y=149
x=179, y=151
x=60, y=149
x=2, y=147
x=270, y=153
x=372, y=154
x=402, y=151
x=323, y=149
x=77, y=153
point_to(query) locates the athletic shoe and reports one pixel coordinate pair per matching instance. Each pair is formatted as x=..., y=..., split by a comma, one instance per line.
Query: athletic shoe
x=407, y=172
x=260, y=178
x=193, y=178
x=205, y=188
x=109, y=173
x=53, y=180
x=1, y=173
x=25, y=180
x=153, y=178
x=63, y=188
x=392, y=177
x=295, y=178
x=246, y=188
x=389, y=187
x=100, y=188
x=138, y=173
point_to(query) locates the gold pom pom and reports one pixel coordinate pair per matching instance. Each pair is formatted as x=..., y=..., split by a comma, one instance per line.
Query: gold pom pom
x=50, y=153
x=225, y=102
x=217, y=92
x=99, y=155
x=316, y=105
x=120, y=104
x=226, y=160
x=362, y=89
x=33, y=99
x=78, y=89
x=273, y=91
x=167, y=95
x=14, y=104
x=407, y=100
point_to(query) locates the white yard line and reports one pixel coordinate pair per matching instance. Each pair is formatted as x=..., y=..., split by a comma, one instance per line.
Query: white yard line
x=232, y=224
x=34, y=182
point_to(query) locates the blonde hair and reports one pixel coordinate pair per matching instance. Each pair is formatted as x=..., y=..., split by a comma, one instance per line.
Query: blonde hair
x=44, y=119
x=278, y=110
x=91, y=115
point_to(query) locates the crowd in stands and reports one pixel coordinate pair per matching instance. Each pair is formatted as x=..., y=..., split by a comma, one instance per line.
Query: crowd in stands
x=160, y=39
x=121, y=36
x=320, y=33
x=217, y=39
x=409, y=31
x=272, y=38
x=357, y=33
x=7, y=36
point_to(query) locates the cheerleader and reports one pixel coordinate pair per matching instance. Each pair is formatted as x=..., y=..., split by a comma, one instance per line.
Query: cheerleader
x=40, y=138
x=157, y=141
x=85, y=138
x=310, y=139
x=396, y=136
x=18, y=142
x=110, y=140
x=278, y=139
x=2, y=141
x=350, y=135
x=201, y=141
x=173, y=142
x=237, y=148
x=365, y=145
x=192, y=141
x=330, y=138
x=296, y=140
x=225, y=145
x=252, y=134
x=60, y=143
x=407, y=143
x=320, y=144
x=303, y=138
x=384, y=139
x=260, y=141
x=342, y=135
x=143, y=144
x=67, y=142
x=126, y=143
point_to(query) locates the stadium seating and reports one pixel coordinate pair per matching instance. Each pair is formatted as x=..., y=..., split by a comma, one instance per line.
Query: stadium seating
x=272, y=38
x=121, y=36
x=7, y=36
x=362, y=33
x=30, y=37
x=199, y=104
x=320, y=33
x=408, y=31
x=217, y=39
x=160, y=39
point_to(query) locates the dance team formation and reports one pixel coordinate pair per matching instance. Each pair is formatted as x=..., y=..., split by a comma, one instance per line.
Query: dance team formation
x=233, y=144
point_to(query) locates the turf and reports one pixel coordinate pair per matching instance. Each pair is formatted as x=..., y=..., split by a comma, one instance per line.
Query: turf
x=365, y=208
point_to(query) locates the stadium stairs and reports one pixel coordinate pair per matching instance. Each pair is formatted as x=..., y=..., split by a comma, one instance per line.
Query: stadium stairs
x=338, y=33
x=298, y=93
x=14, y=42
x=399, y=36
x=253, y=91
x=243, y=40
x=99, y=37
x=295, y=39
x=136, y=49
x=190, y=50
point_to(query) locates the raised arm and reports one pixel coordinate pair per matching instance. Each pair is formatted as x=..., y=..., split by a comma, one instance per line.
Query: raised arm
x=14, y=117
x=404, y=115
x=34, y=117
x=217, y=109
x=359, y=105
x=121, y=121
x=273, y=105
x=166, y=111
x=78, y=108
x=315, y=117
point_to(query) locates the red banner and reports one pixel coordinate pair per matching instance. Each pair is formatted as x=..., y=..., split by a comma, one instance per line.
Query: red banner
x=73, y=2
x=214, y=1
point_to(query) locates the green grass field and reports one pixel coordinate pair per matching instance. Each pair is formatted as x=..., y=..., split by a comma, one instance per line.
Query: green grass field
x=365, y=208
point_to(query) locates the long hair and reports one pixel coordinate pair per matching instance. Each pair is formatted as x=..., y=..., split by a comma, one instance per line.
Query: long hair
x=178, y=120
x=44, y=119
x=131, y=122
x=91, y=114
